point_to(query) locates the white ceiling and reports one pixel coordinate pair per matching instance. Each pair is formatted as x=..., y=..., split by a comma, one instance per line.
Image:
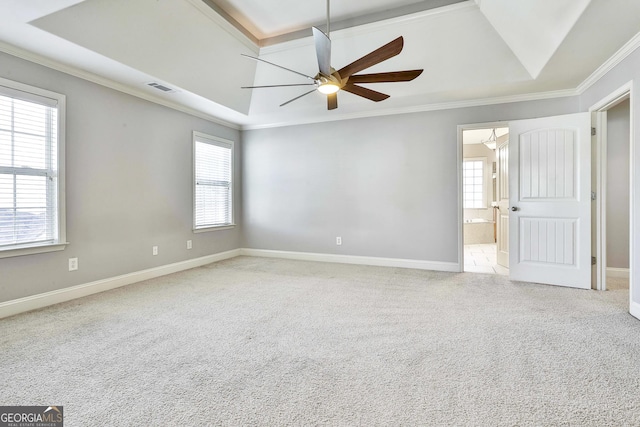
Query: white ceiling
x=473, y=52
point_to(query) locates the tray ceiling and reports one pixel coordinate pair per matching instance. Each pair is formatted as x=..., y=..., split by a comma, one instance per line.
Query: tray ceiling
x=471, y=51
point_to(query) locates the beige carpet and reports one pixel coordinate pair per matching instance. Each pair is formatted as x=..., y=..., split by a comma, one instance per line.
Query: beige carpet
x=253, y=341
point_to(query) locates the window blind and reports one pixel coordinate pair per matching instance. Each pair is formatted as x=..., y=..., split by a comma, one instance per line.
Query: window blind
x=28, y=169
x=213, y=182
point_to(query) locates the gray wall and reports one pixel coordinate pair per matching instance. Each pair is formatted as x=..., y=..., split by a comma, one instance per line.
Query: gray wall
x=618, y=185
x=128, y=176
x=387, y=185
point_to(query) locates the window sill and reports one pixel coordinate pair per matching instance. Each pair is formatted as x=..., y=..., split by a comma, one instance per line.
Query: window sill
x=31, y=250
x=214, y=228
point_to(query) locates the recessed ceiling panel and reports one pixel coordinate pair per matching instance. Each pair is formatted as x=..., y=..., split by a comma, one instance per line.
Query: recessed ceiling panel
x=171, y=40
x=264, y=18
x=533, y=29
x=486, y=62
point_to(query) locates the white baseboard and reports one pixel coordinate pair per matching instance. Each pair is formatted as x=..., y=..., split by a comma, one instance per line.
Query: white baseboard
x=33, y=302
x=622, y=273
x=21, y=305
x=353, y=259
x=634, y=309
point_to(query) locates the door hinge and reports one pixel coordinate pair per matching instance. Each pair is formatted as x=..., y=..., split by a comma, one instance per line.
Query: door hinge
x=593, y=195
x=593, y=131
x=593, y=260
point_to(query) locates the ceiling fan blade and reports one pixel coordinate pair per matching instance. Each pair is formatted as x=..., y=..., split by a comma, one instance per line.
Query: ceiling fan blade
x=332, y=101
x=279, y=66
x=383, y=53
x=365, y=93
x=323, y=51
x=297, y=97
x=394, y=76
x=261, y=87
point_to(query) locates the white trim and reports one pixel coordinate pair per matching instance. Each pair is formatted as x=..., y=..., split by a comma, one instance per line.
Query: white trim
x=32, y=249
x=21, y=305
x=626, y=50
x=601, y=198
x=621, y=273
x=607, y=66
x=33, y=302
x=420, y=108
x=460, y=159
x=600, y=108
x=634, y=309
x=614, y=98
x=354, y=259
x=614, y=60
x=214, y=228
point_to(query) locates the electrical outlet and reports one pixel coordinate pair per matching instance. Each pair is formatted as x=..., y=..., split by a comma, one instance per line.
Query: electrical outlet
x=338, y=241
x=189, y=244
x=155, y=250
x=73, y=264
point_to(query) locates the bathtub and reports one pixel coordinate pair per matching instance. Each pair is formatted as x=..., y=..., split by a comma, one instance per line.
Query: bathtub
x=478, y=230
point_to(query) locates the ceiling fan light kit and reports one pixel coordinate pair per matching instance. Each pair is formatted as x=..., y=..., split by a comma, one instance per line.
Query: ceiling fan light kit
x=328, y=81
x=328, y=88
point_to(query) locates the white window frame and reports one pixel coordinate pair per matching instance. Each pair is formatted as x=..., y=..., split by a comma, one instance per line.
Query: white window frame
x=221, y=142
x=29, y=93
x=484, y=204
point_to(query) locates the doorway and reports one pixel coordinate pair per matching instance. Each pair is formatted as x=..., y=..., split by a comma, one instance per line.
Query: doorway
x=617, y=200
x=612, y=184
x=480, y=190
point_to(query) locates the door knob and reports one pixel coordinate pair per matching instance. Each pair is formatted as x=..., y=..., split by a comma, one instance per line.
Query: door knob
x=514, y=208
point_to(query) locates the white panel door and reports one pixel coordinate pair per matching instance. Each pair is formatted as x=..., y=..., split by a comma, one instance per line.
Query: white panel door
x=550, y=197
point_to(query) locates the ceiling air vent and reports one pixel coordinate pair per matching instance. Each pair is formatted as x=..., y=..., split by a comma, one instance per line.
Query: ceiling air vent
x=161, y=87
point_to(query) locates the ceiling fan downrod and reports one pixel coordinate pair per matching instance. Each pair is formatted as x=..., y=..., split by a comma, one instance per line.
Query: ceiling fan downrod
x=329, y=81
x=328, y=22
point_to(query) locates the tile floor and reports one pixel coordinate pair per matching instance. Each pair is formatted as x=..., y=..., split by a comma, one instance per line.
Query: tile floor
x=481, y=258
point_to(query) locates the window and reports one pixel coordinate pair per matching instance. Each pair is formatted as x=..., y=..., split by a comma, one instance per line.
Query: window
x=474, y=191
x=213, y=182
x=31, y=174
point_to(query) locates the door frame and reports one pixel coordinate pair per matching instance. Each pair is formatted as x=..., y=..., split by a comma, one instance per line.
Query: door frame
x=599, y=230
x=471, y=126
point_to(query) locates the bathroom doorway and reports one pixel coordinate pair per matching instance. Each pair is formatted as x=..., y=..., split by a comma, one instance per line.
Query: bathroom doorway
x=480, y=194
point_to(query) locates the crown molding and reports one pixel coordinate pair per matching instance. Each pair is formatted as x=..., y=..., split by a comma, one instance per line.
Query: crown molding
x=421, y=108
x=111, y=84
x=606, y=67
x=622, y=53
x=627, y=49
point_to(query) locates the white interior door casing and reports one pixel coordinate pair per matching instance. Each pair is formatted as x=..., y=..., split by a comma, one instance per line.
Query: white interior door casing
x=502, y=198
x=550, y=190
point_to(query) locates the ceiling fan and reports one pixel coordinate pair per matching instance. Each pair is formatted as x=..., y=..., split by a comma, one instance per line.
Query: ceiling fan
x=329, y=81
